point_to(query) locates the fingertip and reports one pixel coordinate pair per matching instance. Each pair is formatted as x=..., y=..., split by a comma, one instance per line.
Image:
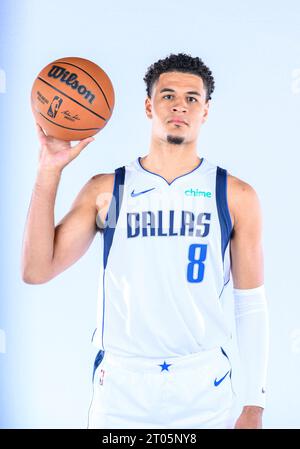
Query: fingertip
x=88, y=140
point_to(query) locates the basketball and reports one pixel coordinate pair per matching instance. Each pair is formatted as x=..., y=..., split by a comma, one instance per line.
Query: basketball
x=72, y=98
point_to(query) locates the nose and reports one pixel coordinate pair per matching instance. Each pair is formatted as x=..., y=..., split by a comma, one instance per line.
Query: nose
x=178, y=108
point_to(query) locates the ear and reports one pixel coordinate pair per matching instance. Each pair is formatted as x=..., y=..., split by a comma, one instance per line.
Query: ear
x=148, y=107
x=206, y=109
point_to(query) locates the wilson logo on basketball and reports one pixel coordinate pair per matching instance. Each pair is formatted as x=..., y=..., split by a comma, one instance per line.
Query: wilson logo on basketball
x=71, y=80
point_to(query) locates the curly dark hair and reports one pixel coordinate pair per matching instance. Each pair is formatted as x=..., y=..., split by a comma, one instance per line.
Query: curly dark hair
x=180, y=63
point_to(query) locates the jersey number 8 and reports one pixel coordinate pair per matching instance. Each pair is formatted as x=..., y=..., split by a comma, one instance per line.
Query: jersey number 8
x=195, y=269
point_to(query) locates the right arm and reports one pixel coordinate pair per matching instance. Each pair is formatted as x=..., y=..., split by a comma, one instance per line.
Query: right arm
x=48, y=249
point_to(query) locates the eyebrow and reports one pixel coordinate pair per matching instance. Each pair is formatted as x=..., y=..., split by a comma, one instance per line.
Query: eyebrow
x=167, y=89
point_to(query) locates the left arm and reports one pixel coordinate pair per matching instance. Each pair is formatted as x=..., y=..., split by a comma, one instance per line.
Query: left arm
x=250, y=306
x=246, y=244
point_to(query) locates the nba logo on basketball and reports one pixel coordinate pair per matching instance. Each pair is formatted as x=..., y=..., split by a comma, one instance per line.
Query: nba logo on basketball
x=101, y=377
x=54, y=106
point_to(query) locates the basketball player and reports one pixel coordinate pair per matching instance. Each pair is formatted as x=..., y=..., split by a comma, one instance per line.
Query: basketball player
x=173, y=226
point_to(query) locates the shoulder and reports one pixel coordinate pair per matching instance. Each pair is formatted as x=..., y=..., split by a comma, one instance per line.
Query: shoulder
x=102, y=181
x=95, y=188
x=243, y=200
x=238, y=186
x=101, y=187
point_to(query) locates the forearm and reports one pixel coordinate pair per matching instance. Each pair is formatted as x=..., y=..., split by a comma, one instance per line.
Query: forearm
x=250, y=418
x=253, y=410
x=253, y=340
x=38, y=241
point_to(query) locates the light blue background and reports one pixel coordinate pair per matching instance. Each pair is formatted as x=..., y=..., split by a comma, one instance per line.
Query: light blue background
x=253, y=49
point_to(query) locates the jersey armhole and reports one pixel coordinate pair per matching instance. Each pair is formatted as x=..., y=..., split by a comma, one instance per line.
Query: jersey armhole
x=100, y=224
x=223, y=208
x=116, y=200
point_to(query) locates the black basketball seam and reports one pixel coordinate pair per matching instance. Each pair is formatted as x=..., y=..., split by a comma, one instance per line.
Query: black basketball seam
x=70, y=98
x=66, y=127
x=65, y=62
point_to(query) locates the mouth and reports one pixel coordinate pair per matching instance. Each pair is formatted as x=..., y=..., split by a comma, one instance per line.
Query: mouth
x=178, y=122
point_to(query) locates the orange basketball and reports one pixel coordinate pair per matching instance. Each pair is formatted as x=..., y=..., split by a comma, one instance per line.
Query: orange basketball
x=72, y=98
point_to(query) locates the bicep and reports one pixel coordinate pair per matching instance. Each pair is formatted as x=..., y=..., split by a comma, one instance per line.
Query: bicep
x=76, y=231
x=246, y=247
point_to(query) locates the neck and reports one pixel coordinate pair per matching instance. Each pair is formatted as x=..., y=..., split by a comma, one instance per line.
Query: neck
x=171, y=159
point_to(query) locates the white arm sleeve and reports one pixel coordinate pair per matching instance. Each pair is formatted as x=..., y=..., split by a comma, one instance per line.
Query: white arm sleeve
x=252, y=328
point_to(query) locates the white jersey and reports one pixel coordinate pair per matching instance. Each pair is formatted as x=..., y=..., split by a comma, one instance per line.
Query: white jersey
x=166, y=262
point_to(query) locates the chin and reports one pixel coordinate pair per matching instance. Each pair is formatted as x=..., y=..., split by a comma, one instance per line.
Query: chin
x=175, y=140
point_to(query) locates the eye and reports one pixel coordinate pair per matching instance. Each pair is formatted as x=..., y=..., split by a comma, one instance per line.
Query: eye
x=169, y=95
x=193, y=99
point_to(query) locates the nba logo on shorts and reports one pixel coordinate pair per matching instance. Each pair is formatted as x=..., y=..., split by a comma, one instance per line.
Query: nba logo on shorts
x=54, y=106
x=101, y=377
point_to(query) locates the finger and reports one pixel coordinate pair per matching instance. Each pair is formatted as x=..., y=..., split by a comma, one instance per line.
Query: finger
x=81, y=145
x=39, y=128
x=40, y=132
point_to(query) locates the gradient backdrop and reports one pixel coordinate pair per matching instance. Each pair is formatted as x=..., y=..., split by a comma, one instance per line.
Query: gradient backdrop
x=253, y=49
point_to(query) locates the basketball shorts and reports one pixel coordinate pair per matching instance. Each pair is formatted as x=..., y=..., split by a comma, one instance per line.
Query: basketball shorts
x=192, y=391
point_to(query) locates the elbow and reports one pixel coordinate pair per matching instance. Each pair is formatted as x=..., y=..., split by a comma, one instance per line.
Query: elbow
x=32, y=278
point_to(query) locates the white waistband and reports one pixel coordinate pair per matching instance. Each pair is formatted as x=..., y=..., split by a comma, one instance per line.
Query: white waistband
x=133, y=363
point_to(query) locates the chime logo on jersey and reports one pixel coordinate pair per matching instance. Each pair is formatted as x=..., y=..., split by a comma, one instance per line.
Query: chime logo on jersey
x=168, y=223
x=197, y=192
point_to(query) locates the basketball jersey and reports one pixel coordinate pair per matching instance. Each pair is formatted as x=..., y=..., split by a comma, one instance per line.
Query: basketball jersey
x=166, y=263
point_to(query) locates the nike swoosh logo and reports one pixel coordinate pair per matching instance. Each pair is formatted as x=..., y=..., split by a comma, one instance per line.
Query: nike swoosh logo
x=140, y=193
x=217, y=382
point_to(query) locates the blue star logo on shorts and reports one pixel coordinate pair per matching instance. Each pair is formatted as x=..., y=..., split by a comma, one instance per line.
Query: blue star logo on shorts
x=165, y=366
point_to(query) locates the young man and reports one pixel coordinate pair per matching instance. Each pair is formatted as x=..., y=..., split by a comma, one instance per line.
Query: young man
x=173, y=227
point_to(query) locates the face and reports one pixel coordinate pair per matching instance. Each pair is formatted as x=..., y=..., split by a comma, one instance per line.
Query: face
x=178, y=107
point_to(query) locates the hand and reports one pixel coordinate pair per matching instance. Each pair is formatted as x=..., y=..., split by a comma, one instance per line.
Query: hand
x=55, y=154
x=250, y=418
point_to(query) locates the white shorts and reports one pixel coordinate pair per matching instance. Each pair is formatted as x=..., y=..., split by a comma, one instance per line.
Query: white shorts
x=192, y=391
